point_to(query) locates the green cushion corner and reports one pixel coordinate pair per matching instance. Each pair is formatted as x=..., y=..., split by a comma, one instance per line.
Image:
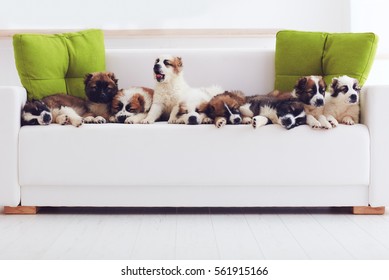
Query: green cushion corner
x=349, y=54
x=301, y=53
x=57, y=63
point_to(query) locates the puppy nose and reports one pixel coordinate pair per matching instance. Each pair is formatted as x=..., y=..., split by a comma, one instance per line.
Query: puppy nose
x=46, y=118
x=237, y=121
x=319, y=102
x=286, y=122
x=353, y=98
x=121, y=119
x=157, y=68
x=192, y=120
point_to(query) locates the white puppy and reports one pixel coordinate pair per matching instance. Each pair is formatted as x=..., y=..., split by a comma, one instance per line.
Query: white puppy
x=169, y=88
x=342, y=102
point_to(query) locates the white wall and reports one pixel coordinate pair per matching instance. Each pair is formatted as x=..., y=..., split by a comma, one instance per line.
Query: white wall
x=314, y=15
x=149, y=14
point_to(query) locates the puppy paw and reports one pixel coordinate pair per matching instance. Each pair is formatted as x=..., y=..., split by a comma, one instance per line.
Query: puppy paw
x=326, y=125
x=315, y=124
x=221, y=122
x=99, y=120
x=62, y=119
x=207, y=120
x=76, y=121
x=259, y=121
x=334, y=123
x=129, y=120
x=147, y=121
x=348, y=121
x=247, y=120
x=89, y=119
x=172, y=121
x=112, y=119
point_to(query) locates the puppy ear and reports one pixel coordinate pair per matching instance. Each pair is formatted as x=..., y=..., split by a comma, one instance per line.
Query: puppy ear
x=87, y=78
x=301, y=83
x=202, y=108
x=178, y=61
x=334, y=83
x=141, y=101
x=112, y=77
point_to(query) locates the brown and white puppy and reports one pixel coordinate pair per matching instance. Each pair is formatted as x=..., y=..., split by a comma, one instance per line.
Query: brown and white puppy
x=189, y=109
x=100, y=88
x=57, y=108
x=309, y=90
x=342, y=102
x=224, y=108
x=170, y=86
x=131, y=105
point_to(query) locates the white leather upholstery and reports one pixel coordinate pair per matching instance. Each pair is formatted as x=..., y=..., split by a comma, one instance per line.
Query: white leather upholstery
x=249, y=70
x=375, y=115
x=163, y=154
x=12, y=99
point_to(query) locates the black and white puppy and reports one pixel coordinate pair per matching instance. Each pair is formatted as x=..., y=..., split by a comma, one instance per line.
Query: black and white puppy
x=342, y=102
x=36, y=112
x=269, y=110
x=57, y=108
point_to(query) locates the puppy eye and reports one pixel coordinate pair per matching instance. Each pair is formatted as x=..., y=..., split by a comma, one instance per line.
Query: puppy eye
x=119, y=106
x=167, y=63
x=345, y=89
x=157, y=61
x=197, y=110
x=322, y=90
x=356, y=87
x=128, y=108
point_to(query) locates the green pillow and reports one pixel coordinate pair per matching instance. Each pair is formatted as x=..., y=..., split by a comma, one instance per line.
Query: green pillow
x=300, y=53
x=57, y=63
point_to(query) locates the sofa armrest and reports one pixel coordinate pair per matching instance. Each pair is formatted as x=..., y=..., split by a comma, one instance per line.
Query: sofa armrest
x=375, y=114
x=12, y=99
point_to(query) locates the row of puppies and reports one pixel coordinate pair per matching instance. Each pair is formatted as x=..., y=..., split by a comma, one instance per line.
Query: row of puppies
x=173, y=100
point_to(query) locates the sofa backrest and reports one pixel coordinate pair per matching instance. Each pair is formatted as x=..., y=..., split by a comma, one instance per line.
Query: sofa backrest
x=249, y=70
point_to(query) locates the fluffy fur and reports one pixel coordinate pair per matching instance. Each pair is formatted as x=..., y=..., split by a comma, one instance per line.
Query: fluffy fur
x=310, y=90
x=169, y=88
x=190, y=107
x=266, y=110
x=131, y=105
x=342, y=102
x=57, y=108
x=100, y=88
x=224, y=108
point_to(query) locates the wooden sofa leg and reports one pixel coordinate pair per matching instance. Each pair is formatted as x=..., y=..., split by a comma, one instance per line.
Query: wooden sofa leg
x=368, y=210
x=20, y=210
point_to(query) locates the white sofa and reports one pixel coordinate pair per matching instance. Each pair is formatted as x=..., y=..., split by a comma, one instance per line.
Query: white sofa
x=195, y=166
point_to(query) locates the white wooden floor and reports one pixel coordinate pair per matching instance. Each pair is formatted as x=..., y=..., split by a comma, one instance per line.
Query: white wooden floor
x=181, y=233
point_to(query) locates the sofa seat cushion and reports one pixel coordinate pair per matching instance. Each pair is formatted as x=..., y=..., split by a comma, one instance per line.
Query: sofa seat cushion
x=162, y=154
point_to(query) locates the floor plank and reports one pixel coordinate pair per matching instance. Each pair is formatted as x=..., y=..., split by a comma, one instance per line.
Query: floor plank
x=195, y=236
x=233, y=235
